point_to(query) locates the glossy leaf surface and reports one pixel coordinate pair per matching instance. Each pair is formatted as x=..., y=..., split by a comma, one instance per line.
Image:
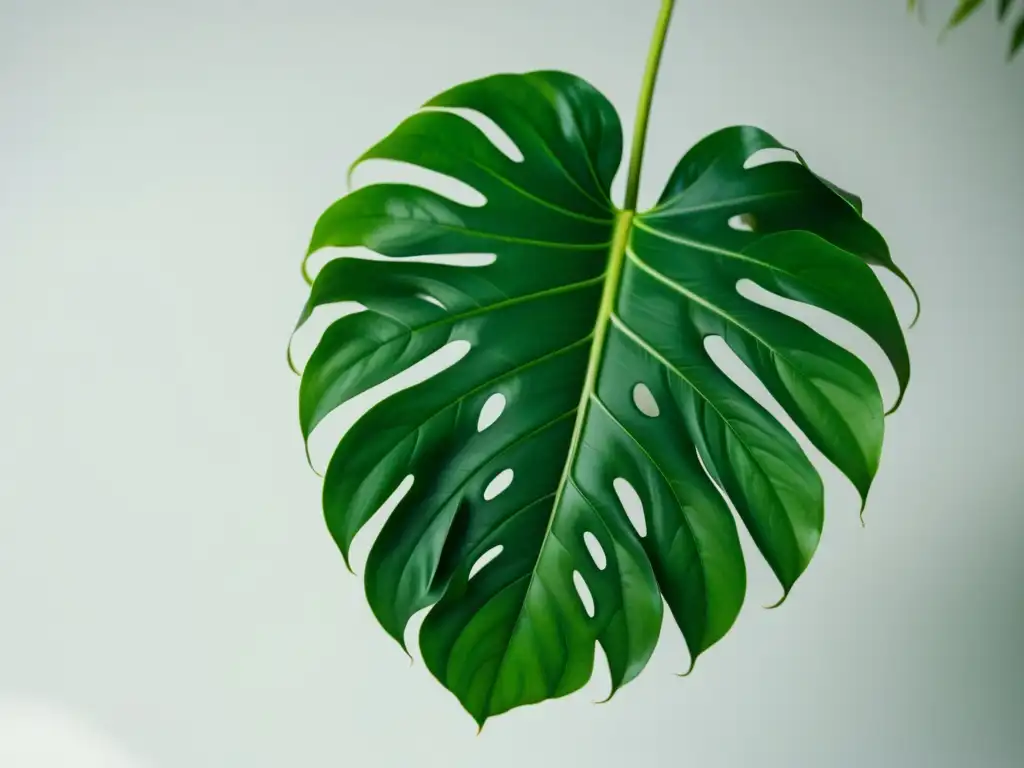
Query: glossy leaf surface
x=592, y=324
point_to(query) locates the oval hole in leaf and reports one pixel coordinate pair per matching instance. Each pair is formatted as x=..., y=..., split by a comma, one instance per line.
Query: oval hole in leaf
x=584, y=592
x=484, y=559
x=431, y=300
x=771, y=155
x=596, y=550
x=742, y=222
x=499, y=484
x=381, y=171
x=493, y=407
x=644, y=400
x=631, y=504
x=494, y=133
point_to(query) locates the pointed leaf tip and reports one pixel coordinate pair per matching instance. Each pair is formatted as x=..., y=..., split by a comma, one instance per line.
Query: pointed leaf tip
x=693, y=663
x=291, y=360
x=899, y=400
x=917, y=299
x=863, y=506
x=309, y=460
x=610, y=695
x=351, y=170
x=779, y=602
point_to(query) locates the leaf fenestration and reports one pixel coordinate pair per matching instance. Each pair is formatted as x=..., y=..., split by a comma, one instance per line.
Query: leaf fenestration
x=583, y=304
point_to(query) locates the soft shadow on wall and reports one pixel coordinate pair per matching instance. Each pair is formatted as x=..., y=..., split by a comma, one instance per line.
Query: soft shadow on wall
x=38, y=734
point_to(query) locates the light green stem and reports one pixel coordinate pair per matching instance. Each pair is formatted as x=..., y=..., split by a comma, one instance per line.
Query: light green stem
x=617, y=252
x=643, y=109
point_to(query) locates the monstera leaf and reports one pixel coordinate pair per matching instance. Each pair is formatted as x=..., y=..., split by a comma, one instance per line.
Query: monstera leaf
x=590, y=325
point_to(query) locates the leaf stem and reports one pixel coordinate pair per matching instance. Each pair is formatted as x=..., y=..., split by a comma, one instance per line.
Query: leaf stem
x=643, y=109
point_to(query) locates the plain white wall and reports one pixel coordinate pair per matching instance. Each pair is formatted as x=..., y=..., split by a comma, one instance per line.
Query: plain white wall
x=169, y=596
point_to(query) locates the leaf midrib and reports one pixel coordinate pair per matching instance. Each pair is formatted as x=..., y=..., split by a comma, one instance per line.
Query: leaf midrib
x=613, y=272
x=472, y=476
x=461, y=399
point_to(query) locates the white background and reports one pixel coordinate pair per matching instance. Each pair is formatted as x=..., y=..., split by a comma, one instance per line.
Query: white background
x=169, y=595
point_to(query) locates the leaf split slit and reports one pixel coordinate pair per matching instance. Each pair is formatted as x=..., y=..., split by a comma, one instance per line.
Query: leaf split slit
x=624, y=503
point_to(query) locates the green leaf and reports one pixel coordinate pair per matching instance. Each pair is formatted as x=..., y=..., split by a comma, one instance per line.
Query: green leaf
x=962, y=12
x=585, y=309
x=966, y=8
x=1017, y=41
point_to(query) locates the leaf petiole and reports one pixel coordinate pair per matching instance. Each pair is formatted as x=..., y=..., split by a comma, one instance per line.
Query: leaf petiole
x=643, y=109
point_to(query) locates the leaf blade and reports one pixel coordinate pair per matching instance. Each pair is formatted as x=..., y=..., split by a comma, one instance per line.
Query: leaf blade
x=581, y=305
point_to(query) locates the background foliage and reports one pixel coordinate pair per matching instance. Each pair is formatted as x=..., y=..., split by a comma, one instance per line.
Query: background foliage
x=965, y=9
